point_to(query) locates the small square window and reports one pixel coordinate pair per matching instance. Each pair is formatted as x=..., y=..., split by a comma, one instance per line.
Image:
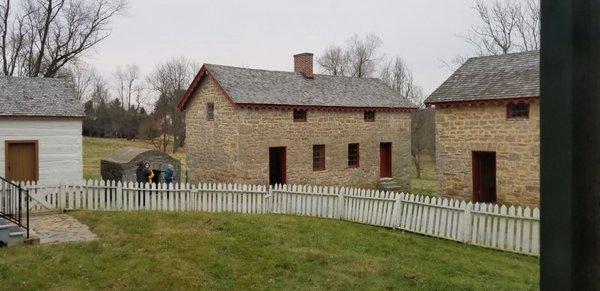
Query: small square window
x=517, y=111
x=369, y=115
x=210, y=111
x=299, y=115
x=353, y=155
x=318, y=157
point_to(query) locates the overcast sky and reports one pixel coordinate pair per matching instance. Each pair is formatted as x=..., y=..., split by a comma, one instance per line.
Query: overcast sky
x=265, y=34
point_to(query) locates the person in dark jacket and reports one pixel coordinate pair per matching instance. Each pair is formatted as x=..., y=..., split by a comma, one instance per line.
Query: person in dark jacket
x=139, y=173
x=169, y=174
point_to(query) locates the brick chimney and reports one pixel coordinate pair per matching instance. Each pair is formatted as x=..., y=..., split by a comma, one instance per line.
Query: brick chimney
x=303, y=64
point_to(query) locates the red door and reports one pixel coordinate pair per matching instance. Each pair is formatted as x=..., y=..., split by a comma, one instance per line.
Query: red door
x=277, y=166
x=385, y=160
x=484, y=177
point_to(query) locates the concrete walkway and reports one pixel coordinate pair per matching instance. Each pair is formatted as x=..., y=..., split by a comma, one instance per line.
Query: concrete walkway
x=59, y=228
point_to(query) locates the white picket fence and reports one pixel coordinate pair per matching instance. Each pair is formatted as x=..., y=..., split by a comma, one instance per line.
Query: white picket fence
x=491, y=226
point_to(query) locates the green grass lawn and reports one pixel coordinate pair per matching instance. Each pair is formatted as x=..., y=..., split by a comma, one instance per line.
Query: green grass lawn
x=234, y=251
x=427, y=183
x=96, y=149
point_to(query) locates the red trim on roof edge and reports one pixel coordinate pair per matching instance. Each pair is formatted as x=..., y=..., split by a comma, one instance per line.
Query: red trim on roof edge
x=324, y=108
x=204, y=71
x=468, y=103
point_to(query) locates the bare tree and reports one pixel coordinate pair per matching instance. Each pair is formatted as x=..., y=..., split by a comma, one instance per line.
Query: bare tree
x=170, y=80
x=422, y=137
x=100, y=90
x=396, y=74
x=40, y=37
x=363, y=55
x=528, y=25
x=128, y=84
x=334, y=61
x=83, y=76
x=506, y=26
x=495, y=34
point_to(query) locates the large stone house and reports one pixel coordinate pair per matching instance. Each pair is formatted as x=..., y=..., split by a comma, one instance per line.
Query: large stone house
x=488, y=130
x=266, y=127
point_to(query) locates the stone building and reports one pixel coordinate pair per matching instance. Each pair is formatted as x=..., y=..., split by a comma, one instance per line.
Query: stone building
x=122, y=164
x=488, y=130
x=266, y=127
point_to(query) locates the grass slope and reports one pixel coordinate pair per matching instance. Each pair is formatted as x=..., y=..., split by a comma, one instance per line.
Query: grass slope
x=426, y=184
x=232, y=251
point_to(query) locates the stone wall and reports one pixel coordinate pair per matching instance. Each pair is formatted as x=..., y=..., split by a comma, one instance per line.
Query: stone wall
x=235, y=146
x=462, y=130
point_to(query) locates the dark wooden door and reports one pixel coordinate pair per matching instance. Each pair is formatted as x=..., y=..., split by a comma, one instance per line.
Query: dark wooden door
x=385, y=160
x=484, y=177
x=21, y=161
x=277, y=166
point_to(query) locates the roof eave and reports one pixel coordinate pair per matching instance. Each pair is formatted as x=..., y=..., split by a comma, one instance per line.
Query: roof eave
x=498, y=101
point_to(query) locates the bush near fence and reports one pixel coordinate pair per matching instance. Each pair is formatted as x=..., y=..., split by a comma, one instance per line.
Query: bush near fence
x=513, y=229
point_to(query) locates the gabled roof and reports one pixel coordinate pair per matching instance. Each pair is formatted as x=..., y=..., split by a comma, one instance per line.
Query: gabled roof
x=509, y=76
x=255, y=88
x=24, y=96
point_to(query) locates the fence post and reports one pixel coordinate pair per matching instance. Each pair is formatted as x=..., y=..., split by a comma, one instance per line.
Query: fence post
x=465, y=225
x=62, y=195
x=396, y=211
x=119, y=196
x=271, y=205
x=340, y=204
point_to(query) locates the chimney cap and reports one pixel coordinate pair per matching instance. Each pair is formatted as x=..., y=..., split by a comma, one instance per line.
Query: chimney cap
x=303, y=54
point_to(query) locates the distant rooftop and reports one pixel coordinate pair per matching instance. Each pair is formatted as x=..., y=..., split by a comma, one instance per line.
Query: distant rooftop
x=25, y=96
x=262, y=87
x=515, y=75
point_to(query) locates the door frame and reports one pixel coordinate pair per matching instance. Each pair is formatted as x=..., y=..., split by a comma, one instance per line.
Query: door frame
x=475, y=178
x=390, y=155
x=283, y=166
x=7, y=143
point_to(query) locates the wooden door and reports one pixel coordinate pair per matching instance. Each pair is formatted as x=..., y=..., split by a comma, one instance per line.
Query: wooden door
x=385, y=160
x=484, y=177
x=21, y=161
x=277, y=166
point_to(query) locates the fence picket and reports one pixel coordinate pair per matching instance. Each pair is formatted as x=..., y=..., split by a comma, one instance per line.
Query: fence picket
x=495, y=226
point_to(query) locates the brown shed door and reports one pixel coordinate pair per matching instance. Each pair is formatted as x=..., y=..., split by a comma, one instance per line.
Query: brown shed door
x=21, y=161
x=484, y=177
x=385, y=160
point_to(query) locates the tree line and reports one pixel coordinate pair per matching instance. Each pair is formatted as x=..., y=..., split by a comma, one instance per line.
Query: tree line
x=132, y=106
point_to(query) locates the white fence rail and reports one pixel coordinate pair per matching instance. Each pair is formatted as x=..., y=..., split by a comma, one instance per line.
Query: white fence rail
x=487, y=225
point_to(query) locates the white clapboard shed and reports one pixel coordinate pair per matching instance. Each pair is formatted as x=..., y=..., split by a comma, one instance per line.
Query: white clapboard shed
x=40, y=130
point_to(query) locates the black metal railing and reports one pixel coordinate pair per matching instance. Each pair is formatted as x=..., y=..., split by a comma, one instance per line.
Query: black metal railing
x=14, y=204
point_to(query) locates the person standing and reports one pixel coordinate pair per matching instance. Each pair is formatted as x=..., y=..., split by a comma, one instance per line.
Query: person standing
x=169, y=174
x=139, y=173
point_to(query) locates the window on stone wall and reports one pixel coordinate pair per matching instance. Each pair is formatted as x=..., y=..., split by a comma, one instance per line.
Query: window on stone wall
x=353, y=155
x=299, y=115
x=318, y=157
x=517, y=111
x=369, y=115
x=210, y=111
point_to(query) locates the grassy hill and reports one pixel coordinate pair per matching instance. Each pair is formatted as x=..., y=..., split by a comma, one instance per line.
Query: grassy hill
x=165, y=251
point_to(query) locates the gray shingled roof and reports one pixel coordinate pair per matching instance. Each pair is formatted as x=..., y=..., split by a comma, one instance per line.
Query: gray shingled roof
x=23, y=96
x=507, y=76
x=251, y=86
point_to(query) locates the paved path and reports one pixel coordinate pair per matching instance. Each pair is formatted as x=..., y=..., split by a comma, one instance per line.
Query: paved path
x=58, y=228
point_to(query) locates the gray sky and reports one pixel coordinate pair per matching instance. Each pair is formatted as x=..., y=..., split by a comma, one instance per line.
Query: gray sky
x=265, y=34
